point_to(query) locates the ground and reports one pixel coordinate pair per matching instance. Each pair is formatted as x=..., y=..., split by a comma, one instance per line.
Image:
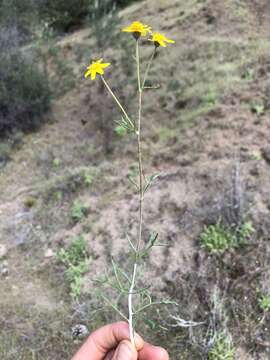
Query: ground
x=205, y=129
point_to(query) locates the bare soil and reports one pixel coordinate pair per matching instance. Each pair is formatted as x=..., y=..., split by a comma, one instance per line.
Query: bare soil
x=201, y=129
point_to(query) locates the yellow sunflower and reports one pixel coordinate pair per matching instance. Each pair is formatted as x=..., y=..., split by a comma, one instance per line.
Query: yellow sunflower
x=97, y=67
x=137, y=29
x=160, y=39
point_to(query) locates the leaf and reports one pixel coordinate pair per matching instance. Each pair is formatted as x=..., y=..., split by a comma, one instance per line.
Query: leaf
x=125, y=124
x=120, y=130
x=150, y=181
x=151, y=242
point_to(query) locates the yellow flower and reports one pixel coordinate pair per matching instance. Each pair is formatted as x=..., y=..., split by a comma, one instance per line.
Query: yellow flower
x=138, y=29
x=161, y=40
x=96, y=68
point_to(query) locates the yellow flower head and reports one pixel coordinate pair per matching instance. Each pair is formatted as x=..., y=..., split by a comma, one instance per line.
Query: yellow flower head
x=96, y=68
x=161, y=40
x=137, y=29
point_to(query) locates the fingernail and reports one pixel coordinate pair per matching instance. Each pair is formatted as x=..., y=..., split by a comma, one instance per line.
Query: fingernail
x=124, y=352
x=138, y=341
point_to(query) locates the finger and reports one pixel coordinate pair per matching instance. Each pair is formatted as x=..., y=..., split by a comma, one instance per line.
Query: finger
x=150, y=352
x=100, y=342
x=125, y=351
x=110, y=354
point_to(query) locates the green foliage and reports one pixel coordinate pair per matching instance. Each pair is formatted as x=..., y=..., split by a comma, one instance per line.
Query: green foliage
x=264, y=302
x=244, y=231
x=56, y=162
x=222, y=348
x=62, y=14
x=88, y=178
x=218, y=238
x=120, y=130
x=210, y=98
x=76, y=261
x=258, y=109
x=24, y=93
x=256, y=155
x=248, y=74
x=30, y=202
x=19, y=14
x=78, y=211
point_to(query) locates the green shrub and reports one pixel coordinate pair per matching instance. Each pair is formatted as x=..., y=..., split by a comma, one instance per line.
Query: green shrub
x=19, y=14
x=63, y=14
x=218, y=238
x=76, y=260
x=222, y=348
x=78, y=211
x=24, y=93
x=264, y=302
x=98, y=8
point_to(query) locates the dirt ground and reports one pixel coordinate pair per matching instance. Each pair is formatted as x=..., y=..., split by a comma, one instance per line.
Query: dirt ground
x=204, y=134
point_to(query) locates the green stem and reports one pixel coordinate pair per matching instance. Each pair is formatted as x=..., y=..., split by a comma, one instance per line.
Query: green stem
x=148, y=68
x=117, y=101
x=141, y=198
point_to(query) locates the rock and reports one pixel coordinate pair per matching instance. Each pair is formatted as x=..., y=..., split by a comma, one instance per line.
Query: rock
x=49, y=254
x=4, y=272
x=3, y=251
x=80, y=331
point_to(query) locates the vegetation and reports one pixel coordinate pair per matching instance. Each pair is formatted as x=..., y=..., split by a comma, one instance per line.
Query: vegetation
x=218, y=238
x=206, y=163
x=139, y=298
x=264, y=302
x=24, y=94
x=76, y=260
x=78, y=211
x=222, y=348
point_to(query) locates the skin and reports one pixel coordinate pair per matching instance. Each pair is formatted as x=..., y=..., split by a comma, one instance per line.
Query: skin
x=111, y=342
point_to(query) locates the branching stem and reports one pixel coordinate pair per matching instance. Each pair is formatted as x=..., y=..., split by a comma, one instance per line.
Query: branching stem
x=140, y=186
x=117, y=101
x=141, y=197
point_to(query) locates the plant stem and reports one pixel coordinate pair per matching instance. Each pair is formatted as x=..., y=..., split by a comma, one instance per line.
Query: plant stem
x=141, y=198
x=148, y=67
x=117, y=101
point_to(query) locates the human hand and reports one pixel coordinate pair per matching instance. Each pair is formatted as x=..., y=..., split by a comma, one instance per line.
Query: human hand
x=112, y=342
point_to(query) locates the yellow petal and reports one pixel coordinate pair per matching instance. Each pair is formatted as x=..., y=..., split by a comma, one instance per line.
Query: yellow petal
x=170, y=41
x=87, y=73
x=100, y=71
x=93, y=75
x=105, y=65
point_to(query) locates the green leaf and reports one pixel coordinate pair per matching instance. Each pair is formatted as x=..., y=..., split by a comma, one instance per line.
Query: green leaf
x=120, y=130
x=151, y=242
x=150, y=181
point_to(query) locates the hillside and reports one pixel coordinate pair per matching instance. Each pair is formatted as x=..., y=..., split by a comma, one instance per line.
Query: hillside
x=206, y=129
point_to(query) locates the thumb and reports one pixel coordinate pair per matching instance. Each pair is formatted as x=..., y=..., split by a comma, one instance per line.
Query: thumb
x=125, y=351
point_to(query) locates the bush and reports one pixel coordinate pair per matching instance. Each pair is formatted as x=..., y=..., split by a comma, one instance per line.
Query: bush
x=219, y=238
x=63, y=14
x=76, y=260
x=20, y=14
x=222, y=348
x=24, y=88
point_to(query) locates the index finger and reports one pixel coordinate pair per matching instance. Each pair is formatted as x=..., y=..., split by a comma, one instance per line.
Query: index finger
x=100, y=342
x=150, y=352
